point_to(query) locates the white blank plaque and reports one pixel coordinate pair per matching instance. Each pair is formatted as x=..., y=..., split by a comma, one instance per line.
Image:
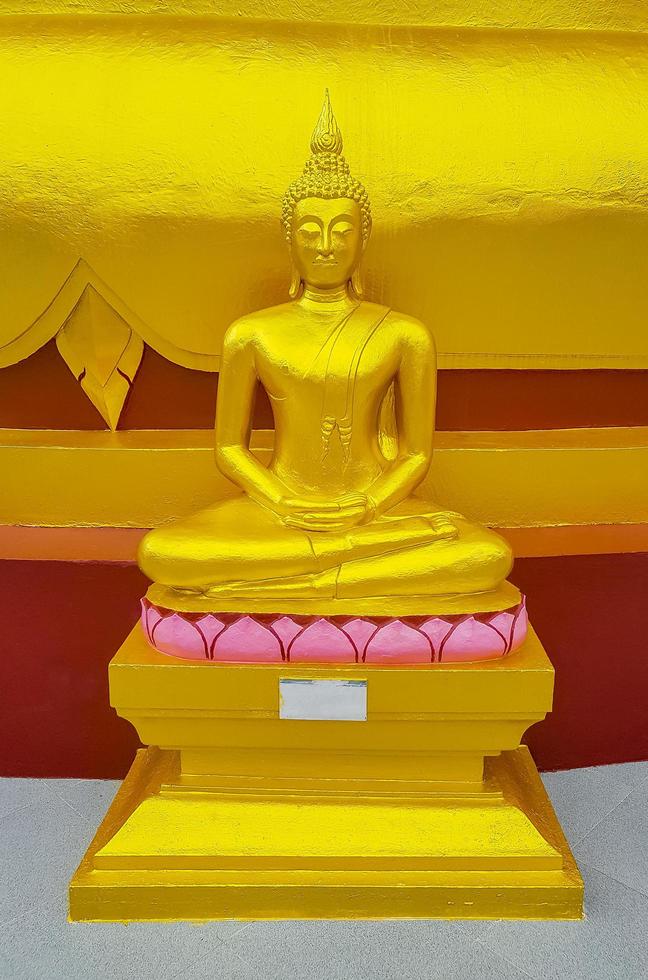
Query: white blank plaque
x=315, y=700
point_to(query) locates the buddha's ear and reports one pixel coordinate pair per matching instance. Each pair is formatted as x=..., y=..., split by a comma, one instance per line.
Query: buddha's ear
x=295, y=284
x=356, y=283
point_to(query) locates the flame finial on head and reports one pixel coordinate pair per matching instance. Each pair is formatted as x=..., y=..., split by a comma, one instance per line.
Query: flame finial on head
x=326, y=137
x=326, y=174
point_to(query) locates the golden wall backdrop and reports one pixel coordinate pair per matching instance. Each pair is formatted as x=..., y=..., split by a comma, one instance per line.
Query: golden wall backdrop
x=506, y=158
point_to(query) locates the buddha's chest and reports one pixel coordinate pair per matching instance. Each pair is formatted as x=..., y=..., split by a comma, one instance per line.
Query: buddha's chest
x=299, y=364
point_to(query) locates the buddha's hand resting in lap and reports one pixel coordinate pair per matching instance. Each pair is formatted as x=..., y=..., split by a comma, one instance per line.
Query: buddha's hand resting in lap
x=334, y=515
x=442, y=525
x=348, y=511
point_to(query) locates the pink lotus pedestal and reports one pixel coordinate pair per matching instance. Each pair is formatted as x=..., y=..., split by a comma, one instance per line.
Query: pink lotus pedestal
x=238, y=638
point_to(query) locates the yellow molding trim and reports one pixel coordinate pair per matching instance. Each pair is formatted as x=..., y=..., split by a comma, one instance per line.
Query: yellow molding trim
x=493, y=361
x=595, y=15
x=145, y=478
x=118, y=545
x=81, y=281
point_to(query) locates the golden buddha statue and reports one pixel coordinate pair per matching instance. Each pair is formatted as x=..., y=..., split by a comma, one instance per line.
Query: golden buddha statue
x=332, y=523
x=303, y=762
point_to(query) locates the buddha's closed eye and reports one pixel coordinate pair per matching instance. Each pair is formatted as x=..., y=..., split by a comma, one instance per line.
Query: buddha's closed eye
x=308, y=235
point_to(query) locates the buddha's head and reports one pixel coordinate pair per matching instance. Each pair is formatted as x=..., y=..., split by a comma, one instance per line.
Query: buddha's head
x=326, y=215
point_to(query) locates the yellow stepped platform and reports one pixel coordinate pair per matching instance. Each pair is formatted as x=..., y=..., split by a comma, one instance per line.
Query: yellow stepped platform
x=428, y=808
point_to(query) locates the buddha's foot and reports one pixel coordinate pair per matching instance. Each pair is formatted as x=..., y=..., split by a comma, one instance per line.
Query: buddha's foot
x=299, y=586
x=274, y=638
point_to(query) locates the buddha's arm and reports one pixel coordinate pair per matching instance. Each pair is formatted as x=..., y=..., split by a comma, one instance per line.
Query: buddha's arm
x=415, y=390
x=236, y=385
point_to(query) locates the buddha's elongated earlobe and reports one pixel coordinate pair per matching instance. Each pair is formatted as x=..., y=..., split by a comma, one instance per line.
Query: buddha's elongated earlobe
x=356, y=283
x=295, y=284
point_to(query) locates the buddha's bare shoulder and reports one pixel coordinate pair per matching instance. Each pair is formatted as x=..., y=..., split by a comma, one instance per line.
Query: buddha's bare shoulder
x=250, y=327
x=396, y=319
x=410, y=331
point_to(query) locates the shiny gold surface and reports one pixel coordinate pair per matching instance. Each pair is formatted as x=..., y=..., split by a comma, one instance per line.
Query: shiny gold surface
x=427, y=809
x=168, y=888
x=389, y=604
x=102, y=351
x=599, y=15
x=353, y=391
x=504, y=479
x=154, y=154
x=507, y=167
x=119, y=544
x=200, y=705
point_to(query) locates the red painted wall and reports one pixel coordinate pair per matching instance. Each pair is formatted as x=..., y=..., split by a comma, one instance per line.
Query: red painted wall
x=590, y=612
x=41, y=393
x=64, y=621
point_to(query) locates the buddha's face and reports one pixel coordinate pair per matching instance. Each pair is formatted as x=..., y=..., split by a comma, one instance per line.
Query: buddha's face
x=326, y=240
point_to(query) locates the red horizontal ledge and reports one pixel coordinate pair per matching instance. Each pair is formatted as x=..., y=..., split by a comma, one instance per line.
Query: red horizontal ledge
x=119, y=545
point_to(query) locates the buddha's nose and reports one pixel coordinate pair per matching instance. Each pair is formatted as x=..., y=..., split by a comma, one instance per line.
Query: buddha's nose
x=325, y=246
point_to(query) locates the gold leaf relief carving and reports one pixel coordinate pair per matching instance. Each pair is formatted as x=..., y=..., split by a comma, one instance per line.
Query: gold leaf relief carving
x=47, y=325
x=102, y=351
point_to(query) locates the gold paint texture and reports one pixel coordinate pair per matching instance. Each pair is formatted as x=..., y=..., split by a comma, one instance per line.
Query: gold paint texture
x=353, y=389
x=102, y=352
x=507, y=168
x=404, y=815
x=505, y=479
x=334, y=515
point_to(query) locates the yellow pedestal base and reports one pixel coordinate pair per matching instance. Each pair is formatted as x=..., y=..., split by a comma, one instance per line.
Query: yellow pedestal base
x=245, y=814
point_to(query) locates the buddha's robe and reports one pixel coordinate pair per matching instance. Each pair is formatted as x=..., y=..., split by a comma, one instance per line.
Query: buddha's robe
x=238, y=547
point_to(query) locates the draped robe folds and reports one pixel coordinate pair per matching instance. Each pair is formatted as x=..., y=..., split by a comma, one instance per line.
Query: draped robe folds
x=238, y=547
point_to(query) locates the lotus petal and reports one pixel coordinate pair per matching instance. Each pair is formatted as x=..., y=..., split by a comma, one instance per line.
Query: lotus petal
x=436, y=630
x=178, y=637
x=521, y=628
x=503, y=623
x=286, y=629
x=360, y=631
x=322, y=642
x=150, y=616
x=395, y=642
x=211, y=627
x=247, y=641
x=472, y=640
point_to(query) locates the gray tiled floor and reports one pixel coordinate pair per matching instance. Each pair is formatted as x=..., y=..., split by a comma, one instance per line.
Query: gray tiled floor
x=604, y=812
